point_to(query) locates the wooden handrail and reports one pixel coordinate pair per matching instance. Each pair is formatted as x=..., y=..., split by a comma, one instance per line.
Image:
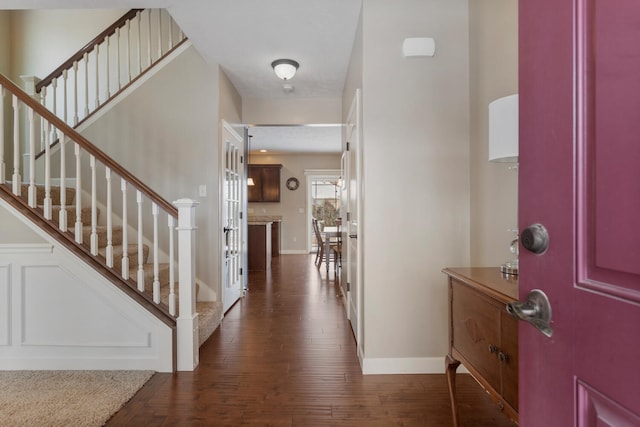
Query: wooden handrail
x=88, y=146
x=68, y=64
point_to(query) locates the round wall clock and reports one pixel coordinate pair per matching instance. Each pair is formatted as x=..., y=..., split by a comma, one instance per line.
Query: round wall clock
x=293, y=183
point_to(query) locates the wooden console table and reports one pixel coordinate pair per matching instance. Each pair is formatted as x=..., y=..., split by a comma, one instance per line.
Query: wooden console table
x=482, y=335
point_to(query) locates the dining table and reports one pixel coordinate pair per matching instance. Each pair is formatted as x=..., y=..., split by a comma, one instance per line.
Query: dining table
x=328, y=233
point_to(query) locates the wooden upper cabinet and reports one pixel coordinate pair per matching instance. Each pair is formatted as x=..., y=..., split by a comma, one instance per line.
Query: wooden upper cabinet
x=267, y=183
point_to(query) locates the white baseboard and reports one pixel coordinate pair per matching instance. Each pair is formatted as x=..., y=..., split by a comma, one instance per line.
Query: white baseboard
x=293, y=252
x=405, y=365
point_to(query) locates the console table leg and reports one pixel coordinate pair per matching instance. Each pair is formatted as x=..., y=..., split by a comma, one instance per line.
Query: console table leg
x=451, y=365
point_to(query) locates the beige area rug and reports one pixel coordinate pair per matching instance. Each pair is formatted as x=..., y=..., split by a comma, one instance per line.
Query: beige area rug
x=65, y=398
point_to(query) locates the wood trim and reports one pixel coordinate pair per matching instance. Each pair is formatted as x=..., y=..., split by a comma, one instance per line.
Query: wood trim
x=67, y=240
x=87, y=48
x=88, y=146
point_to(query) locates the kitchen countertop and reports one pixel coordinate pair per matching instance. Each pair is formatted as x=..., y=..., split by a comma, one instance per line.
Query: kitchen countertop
x=253, y=219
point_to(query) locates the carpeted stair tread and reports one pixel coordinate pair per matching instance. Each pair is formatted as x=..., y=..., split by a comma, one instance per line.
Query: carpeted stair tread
x=163, y=276
x=54, y=193
x=209, y=315
x=118, y=252
x=71, y=215
x=101, y=231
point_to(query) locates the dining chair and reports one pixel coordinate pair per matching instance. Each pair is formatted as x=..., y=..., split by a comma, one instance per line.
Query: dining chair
x=319, y=241
x=336, y=246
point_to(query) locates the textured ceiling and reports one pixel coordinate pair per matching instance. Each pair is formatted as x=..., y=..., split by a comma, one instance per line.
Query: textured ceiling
x=297, y=139
x=245, y=36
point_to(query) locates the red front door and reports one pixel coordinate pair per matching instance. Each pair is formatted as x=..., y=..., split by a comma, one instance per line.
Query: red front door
x=580, y=178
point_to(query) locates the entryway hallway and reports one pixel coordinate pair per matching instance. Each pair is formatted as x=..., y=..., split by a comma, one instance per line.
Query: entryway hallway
x=285, y=355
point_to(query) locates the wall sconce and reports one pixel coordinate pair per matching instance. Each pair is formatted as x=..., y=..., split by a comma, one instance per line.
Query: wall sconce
x=503, y=147
x=285, y=69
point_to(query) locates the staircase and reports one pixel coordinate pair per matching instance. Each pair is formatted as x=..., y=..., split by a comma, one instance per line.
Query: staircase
x=116, y=229
x=209, y=313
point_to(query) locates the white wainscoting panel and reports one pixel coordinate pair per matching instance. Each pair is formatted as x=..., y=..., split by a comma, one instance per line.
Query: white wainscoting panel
x=5, y=306
x=83, y=317
x=57, y=313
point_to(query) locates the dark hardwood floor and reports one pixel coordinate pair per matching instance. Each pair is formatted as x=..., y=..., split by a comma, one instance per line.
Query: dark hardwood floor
x=284, y=355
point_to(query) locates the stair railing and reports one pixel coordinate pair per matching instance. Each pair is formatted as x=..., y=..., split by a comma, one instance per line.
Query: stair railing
x=137, y=209
x=109, y=64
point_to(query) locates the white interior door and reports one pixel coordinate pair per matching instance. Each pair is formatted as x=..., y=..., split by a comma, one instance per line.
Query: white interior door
x=353, y=161
x=232, y=170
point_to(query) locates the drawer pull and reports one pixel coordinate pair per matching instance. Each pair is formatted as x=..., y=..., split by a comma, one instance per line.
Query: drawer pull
x=503, y=357
x=493, y=348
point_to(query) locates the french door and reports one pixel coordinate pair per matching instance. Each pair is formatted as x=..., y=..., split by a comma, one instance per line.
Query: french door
x=232, y=169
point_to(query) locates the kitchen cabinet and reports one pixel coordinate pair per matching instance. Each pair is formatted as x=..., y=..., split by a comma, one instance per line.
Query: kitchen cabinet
x=483, y=336
x=266, y=180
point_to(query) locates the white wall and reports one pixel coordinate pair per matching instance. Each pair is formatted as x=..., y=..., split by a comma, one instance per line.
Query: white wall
x=493, y=35
x=294, y=227
x=416, y=179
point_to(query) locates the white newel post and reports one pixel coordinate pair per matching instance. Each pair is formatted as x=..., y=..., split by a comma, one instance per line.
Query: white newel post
x=188, y=355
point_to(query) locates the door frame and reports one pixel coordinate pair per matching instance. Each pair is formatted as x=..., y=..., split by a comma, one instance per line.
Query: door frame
x=310, y=175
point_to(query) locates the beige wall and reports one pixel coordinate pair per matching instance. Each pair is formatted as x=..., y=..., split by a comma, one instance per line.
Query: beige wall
x=230, y=102
x=172, y=144
x=295, y=227
x=5, y=42
x=43, y=39
x=493, y=35
x=291, y=111
x=416, y=179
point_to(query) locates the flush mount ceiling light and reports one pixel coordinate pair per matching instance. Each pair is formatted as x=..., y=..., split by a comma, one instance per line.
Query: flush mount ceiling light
x=285, y=69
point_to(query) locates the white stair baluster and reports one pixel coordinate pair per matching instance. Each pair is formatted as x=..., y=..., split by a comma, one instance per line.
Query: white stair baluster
x=170, y=33
x=43, y=102
x=149, y=37
x=65, y=95
x=140, y=244
x=159, y=33
x=62, y=217
x=129, y=50
x=156, y=265
x=97, y=101
x=3, y=164
x=118, y=57
x=17, y=179
x=32, y=159
x=108, y=69
x=75, y=93
x=47, y=169
x=125, y=231
x=172, y=268
x=78, y=228
x=54, y=86
x=94, y=208
x=86, y=85
x=139, y=17
x=109, y=254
